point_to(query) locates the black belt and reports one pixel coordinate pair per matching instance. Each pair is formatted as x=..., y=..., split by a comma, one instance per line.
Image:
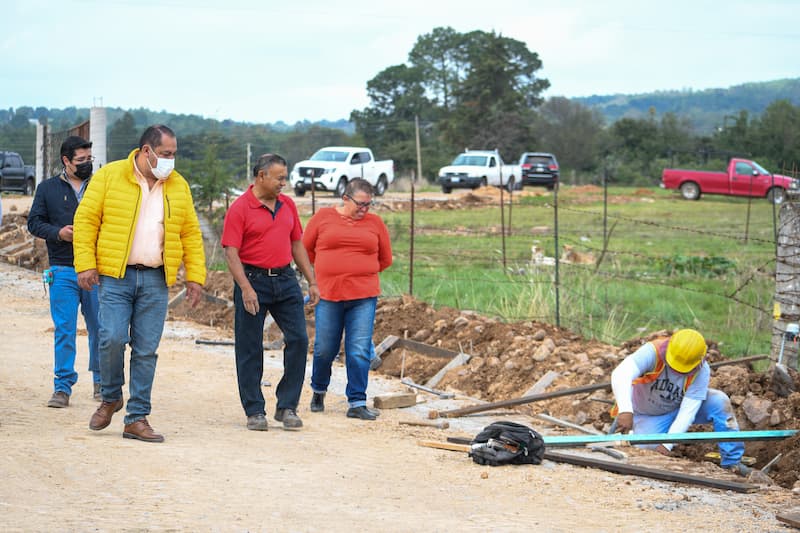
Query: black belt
x=271, y=272
x=140, y=266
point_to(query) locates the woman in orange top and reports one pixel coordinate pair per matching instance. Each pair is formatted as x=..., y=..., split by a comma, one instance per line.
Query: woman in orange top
x=349, y=247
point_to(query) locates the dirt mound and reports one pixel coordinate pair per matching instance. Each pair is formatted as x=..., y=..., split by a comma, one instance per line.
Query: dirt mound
x=18, y=246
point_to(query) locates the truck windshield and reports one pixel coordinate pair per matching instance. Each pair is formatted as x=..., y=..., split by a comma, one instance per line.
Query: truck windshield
x=329, y=155
x=464, y=160
x=761, y=170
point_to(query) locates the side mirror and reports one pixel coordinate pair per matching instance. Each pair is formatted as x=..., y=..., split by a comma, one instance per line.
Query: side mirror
x=755, y=172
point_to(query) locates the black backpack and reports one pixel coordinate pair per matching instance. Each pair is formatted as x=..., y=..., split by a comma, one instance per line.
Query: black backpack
x=503, y=443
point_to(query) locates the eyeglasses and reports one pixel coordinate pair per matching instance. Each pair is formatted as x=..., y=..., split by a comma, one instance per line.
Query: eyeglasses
x=81, y=160
x=361, y=205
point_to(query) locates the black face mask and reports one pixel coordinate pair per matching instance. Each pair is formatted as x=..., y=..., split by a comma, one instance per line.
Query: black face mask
x=83, y=170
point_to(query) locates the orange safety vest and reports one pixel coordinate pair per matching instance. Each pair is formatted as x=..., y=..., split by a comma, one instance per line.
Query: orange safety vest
x=660, y=346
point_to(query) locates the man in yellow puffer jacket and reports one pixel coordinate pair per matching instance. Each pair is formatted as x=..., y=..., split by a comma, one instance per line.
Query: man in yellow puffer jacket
x=134, y=227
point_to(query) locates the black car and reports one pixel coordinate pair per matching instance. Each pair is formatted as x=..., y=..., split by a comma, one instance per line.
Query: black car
x=539, y=168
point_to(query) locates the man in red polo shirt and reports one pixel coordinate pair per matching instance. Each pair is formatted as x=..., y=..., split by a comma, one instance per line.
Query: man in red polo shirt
x=261, y=235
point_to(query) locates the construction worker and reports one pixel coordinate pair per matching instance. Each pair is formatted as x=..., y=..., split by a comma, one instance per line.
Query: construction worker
x=663, y=388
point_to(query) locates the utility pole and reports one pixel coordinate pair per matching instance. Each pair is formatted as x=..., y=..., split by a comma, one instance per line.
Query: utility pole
x=419, y=151
x=411, y=229
x=248, y=170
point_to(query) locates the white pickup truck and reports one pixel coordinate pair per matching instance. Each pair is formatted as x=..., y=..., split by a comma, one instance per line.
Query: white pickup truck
x=479, y=168
x=332, y=167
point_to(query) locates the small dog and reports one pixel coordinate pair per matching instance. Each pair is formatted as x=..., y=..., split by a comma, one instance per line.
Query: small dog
x=538, y=257
x=571, y=255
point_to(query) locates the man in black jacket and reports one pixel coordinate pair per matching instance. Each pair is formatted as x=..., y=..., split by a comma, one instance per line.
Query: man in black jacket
x=50, y=218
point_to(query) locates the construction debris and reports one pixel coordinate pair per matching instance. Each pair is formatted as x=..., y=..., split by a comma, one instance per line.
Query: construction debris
x=619, y=468
x=395, y=400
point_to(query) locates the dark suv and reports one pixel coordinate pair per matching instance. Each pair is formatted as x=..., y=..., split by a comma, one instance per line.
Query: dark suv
x=539, y=168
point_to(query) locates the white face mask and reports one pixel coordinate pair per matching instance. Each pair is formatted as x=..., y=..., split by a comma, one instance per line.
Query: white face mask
x=163, y=167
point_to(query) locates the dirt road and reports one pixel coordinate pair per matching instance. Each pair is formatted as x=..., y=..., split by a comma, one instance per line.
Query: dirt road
x=337, y=474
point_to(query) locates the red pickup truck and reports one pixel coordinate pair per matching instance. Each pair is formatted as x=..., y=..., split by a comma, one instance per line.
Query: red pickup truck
x=743, y=178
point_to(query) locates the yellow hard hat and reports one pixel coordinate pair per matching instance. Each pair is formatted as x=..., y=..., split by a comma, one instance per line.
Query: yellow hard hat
x=685, y=350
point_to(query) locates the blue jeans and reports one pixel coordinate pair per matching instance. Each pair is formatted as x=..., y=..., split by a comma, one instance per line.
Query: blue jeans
x=357, y=319
x=282, y=298
x=132, y=310
x=716, y=410
x=65, y=296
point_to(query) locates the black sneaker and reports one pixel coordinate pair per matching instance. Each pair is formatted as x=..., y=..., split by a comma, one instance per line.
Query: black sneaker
x=361, y=412
x=289, y=418
x=257, y=423
x=318, y=402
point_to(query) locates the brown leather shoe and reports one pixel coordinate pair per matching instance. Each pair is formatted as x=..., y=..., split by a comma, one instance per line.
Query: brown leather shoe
x=141, y=430
x=102, y=417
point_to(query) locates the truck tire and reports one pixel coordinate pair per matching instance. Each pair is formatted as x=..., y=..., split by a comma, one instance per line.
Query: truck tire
x=299, y=192
x=510, y=184
x=380, y=187
x=446, y=189
x=484, y=183
x=30, y=187
x=340, y=187
x=776, y=195
x=690, y=190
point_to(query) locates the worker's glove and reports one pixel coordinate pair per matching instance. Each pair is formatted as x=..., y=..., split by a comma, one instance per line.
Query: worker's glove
x=624, y=422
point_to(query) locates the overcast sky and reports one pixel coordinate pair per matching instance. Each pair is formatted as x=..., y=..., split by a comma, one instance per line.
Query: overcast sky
x=265, y=61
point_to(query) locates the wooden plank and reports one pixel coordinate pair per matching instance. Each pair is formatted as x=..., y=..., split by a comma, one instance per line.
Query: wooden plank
x=441, y=394
x=178, y=298
x=633, y=470
x=791, y=518
x=438, y=424
x=444, y=446
x=386, y=344
x=395, y=400
x=425, y=349
x=276, y=344
x=459, y=360
x=541, y=385
x=749, y=359
x=564, y=423
x=657, y=438
x=519, y=401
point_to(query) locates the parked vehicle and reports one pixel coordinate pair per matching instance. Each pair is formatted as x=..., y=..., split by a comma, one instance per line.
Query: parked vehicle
x=478, y=168
x=539, y=168
x=15, y=175
x=743, y=178
x=332, y=167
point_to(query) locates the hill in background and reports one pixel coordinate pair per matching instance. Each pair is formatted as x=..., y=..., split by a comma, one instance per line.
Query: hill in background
x=706, y=109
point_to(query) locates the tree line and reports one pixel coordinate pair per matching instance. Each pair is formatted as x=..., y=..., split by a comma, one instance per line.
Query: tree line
x=477, y=89
x=481, y=90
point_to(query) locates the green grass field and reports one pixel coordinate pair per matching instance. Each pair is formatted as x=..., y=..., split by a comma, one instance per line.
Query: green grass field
x=669, y=263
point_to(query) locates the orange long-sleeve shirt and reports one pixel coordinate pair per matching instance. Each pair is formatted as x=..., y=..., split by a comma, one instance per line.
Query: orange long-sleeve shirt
x=347, y=254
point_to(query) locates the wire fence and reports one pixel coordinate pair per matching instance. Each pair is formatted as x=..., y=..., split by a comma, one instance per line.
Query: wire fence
x=599, y=270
